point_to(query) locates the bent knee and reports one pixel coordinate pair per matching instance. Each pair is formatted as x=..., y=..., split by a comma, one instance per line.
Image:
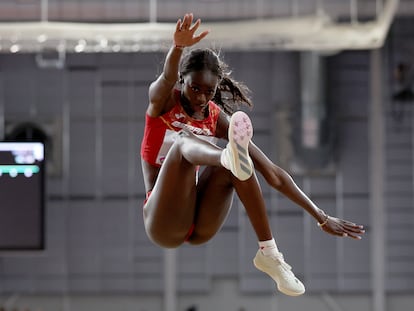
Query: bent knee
x=164, y=240
x=198, y=238
x=162, y=237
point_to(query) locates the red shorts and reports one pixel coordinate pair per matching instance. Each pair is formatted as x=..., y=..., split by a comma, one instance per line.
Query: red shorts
x=147, y=197
x=192, y=227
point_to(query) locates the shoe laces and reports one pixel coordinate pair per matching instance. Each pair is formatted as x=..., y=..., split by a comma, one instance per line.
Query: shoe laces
x=280, y=259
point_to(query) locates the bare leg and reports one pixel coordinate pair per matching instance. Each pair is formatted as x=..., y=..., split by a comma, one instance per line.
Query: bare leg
x=215, y=194
x=177, y=202
x=170, y=211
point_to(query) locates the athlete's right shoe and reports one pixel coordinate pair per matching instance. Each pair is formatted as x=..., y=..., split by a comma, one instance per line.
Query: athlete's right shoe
x=280, y=272
x=235, y=156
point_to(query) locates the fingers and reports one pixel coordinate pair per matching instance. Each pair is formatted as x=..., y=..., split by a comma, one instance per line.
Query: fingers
x=356, y=229
x=178, y=26
x=185, y=29
x=356, y=237
x=349, y=223
x=344, y=228
x=353, y=235
x=190, y=20
x=195, y=26
x=353, y=231
x=187, y=21
x=201, y=35
x=345, y=234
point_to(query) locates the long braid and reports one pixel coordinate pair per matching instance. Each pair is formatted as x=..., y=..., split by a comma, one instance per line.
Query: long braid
x=230, y=94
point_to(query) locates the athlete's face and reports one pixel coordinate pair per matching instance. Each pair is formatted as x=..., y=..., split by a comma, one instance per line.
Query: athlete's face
x=199, y=88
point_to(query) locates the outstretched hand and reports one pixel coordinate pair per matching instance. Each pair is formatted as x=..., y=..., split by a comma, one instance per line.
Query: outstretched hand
x=341, y=227
x=185, y=29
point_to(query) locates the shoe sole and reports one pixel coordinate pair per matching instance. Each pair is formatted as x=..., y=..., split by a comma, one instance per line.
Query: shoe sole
x=281, y=289
x=240, y=134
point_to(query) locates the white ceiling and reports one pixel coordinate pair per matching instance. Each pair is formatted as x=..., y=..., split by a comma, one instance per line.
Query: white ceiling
x=320, y=31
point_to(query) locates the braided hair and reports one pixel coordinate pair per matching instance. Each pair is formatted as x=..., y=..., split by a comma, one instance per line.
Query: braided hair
x=230, y=94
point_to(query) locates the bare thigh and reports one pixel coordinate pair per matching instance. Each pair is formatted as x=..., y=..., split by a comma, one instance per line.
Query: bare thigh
x=169, y=211
x=215, y=194
x=173, y=206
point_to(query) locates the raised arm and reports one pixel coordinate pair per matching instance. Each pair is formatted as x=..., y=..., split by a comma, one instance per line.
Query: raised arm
x=280, y=180
x=160, y=91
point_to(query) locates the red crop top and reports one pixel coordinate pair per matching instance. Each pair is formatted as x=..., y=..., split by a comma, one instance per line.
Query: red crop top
x=160, y=132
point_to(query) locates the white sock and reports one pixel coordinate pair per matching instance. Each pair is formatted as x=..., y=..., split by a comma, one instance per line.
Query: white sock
x=268, y=247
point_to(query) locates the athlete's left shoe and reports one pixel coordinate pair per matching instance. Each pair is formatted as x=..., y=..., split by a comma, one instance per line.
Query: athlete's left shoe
x=280, y=272
x=235, y=156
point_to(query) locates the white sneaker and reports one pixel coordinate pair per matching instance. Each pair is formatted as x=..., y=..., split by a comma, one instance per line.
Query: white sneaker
x=235, y=156
x=280, y=272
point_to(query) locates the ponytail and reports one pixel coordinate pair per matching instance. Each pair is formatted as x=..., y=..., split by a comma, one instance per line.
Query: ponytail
x=231, y=94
